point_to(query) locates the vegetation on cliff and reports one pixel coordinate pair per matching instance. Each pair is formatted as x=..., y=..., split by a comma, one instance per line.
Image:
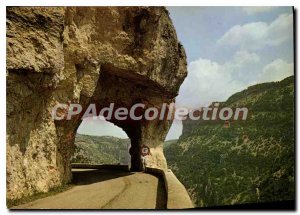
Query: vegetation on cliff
x=100, y=150
x=247, y=161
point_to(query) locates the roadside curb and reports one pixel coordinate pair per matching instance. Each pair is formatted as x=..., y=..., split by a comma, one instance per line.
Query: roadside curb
x=177, y=196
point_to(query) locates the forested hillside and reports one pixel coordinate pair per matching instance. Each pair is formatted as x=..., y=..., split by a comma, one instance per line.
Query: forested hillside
x=100, y=150
x=247, y=161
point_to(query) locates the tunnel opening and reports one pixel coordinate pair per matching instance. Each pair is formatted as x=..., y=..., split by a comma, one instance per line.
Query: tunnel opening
x=112, y=88
x=99, y=142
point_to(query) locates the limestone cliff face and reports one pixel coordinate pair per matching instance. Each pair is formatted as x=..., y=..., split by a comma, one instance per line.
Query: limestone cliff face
x=83, y=55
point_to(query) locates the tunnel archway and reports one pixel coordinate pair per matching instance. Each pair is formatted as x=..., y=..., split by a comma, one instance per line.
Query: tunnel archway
x=100, y=142
x=125, y=93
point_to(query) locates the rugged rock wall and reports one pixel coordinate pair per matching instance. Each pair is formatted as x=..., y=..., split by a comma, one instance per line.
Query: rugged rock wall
x=83, y=55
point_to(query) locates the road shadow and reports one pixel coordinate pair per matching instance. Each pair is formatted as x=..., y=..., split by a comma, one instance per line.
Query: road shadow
x=85, y=177
x=161, y=198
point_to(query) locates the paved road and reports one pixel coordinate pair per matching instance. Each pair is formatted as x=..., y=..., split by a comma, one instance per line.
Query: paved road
x=103, y=189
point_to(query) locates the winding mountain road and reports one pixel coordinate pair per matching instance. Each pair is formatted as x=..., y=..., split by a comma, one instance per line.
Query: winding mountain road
x=104, y=189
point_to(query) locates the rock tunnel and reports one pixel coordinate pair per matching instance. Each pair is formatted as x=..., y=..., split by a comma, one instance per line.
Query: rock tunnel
x=84, y=55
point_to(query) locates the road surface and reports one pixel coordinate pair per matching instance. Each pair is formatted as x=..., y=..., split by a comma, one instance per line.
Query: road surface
x=103, y=189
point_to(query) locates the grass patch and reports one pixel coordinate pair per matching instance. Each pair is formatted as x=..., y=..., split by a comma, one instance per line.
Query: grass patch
x=39, y=195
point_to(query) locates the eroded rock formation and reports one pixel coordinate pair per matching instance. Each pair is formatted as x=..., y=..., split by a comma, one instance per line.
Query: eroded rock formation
x=83, y=55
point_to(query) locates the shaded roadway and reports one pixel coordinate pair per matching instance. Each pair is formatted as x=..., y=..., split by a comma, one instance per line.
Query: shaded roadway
x=107, y=189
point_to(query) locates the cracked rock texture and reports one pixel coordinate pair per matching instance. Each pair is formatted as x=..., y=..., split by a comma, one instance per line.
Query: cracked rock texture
x=83, y=55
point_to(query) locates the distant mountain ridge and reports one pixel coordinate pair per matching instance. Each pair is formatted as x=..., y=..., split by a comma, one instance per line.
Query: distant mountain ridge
x=101, y=150
x=248, y=161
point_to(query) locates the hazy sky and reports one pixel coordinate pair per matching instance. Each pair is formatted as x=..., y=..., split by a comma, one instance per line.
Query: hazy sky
x=228, y=49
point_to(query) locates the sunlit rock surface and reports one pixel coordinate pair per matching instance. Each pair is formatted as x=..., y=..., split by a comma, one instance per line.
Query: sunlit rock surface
x=83, y=55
